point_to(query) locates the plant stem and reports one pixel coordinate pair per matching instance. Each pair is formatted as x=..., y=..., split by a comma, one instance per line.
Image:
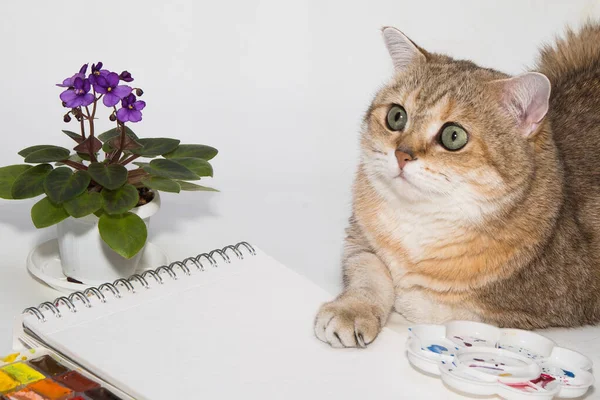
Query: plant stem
x=117, y=155
x=91, y=118
x=75, y=165
x=82, y=126
x=95, y=103
x=130, y=159
x=91, y=143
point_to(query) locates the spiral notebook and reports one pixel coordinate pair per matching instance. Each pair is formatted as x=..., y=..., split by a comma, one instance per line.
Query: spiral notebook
x=228, y=324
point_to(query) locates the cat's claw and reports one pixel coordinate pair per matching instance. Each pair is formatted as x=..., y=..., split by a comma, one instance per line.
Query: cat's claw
x=344, y=323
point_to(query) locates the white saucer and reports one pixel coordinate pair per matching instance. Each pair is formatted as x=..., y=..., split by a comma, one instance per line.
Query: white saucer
x=44, y=263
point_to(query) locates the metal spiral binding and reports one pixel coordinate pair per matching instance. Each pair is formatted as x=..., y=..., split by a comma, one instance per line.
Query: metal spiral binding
x=114, y=288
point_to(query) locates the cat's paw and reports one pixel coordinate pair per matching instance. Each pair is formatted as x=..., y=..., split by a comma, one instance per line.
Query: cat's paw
x=347, y=322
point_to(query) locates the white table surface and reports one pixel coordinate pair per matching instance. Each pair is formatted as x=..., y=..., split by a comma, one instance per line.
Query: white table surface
x=300, y=225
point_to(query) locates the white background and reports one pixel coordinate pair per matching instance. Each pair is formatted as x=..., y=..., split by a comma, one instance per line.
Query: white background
x=279, y=87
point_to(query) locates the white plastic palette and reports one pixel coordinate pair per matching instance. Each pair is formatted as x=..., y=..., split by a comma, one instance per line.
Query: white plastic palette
x=481, y=359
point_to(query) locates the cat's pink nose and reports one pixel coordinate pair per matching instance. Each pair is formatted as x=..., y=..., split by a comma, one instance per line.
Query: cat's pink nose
x=403, y=158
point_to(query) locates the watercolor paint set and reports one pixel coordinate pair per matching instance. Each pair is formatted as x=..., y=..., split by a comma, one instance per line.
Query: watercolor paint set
x=480, y=359
x=39, y=374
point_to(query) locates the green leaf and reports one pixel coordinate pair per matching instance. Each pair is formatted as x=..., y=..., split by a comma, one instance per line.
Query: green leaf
x=85, y=157
x=120, y=200
x=75, y=136
x=193, y=150
x=106, y=147
x=84, y=204
x=31, y=182
x=45, y=213
x=197, y=165
x=114, y=132
x=163, y=184
x=99, y=213
x=27, y=151
x=170, y=169
x=155, y=146
x=195, y=188
x=63, y=185
x=8, y=176
x=141, y=164
x=126, y=234
x=111, y=176
x=45, y=154
x=73, y=157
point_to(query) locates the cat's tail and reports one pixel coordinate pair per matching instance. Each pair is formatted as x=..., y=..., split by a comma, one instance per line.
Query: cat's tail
x=576, y=52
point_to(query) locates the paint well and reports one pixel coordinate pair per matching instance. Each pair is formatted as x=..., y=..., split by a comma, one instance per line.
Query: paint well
x=22, y=373
x=48, y=365
x=76, y=381
x=24, y=394
x=51, y=390
x=7, y=383
x=101, y=394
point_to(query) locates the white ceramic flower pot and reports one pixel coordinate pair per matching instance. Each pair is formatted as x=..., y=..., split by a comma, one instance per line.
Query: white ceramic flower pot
x=84, y=255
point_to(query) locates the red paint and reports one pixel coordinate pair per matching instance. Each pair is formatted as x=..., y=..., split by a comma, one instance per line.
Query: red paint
x=544, y=380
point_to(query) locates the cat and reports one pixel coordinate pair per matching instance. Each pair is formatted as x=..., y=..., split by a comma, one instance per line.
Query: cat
x=477, y=195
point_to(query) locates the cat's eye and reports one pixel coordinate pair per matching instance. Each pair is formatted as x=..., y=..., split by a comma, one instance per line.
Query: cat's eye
x=396, y=118
x=453, y=137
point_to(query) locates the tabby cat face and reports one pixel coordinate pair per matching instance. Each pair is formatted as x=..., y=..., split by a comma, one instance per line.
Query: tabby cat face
x=451, y=131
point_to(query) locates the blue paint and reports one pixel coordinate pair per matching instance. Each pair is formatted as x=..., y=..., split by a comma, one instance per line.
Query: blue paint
x=568, y=373
x=435, y=348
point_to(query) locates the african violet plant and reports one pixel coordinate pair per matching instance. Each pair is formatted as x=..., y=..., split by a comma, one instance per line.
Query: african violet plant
x=97, y=176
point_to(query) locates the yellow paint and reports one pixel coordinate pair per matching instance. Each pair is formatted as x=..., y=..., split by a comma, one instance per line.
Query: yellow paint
x=23, y=373
x=24, y=358
x=6, y=383
x=10, y=358
x=32, y=351
x=505, y=374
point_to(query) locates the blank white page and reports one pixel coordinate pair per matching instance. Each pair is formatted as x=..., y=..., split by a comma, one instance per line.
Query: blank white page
x=242, y=330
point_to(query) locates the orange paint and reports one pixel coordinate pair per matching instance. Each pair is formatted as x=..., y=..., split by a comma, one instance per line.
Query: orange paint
x=51, y=390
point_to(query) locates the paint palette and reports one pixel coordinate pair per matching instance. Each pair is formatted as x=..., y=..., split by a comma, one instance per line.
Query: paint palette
x=481, y=359
x=38, y=374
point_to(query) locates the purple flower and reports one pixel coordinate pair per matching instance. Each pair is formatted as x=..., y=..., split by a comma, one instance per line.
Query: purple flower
x=78, y=95
x=107, y=85
x=97, y=71
x=125, y=76
x=132, y=109
x=69, y=82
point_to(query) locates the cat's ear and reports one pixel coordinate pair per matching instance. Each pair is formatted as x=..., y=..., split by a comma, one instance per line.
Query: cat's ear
x=402, y=50
x=526, y=97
